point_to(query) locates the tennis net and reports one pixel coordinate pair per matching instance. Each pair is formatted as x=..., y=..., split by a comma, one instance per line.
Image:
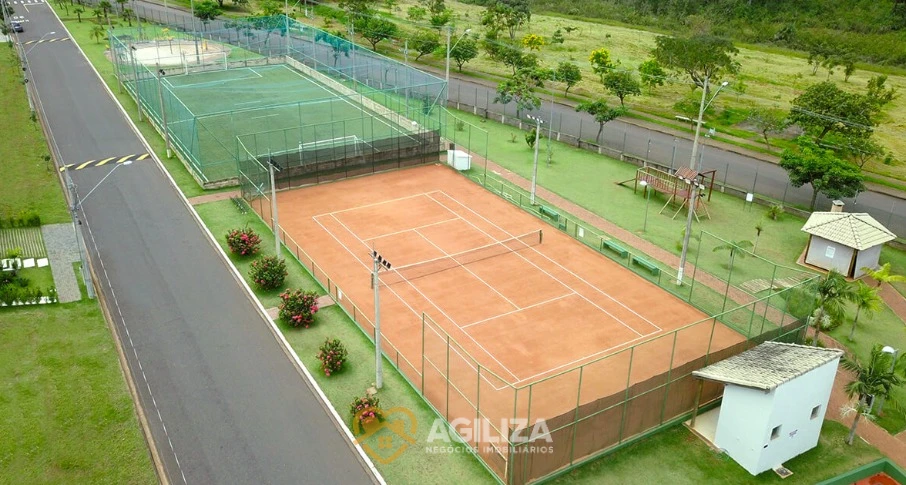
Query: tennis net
x=433, y=266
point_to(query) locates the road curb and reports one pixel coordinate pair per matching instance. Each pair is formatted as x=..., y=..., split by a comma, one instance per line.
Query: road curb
x=281, y=340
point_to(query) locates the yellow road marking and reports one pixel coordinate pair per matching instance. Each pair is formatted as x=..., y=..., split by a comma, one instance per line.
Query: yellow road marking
x=142, y=157
x=64, y=167
x=89, y=162
x=127, y=157
x=102, y=162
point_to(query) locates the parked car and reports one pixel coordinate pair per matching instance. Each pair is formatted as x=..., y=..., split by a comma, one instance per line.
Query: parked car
x=17, y=27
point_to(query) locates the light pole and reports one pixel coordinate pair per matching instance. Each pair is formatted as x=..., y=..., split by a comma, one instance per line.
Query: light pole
x=271, y=168
x=74, y=208
x=195, y=32
x=538, y=121
x=379, y=262
x=893, y=353
x=644, y=185
x=693, y=191
x=27, y=74
x=449, y=49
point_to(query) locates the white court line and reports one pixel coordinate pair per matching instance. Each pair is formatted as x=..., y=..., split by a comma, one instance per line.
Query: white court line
x=264, y=116
x=256, y=72
x=246, y=102
x=550, y=275
x=545, y=302
x=404, y=302
x=378, y=203
x=413, y=229
x=479, y=278
x=429, y=300
x=618, y=302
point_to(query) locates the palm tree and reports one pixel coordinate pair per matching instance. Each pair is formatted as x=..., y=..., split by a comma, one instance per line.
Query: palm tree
x=735, y=248
x=105, y=6
x=98, y=13
x=882, y=275
x=79, y=10
x=122, y=4
x=759, y=226
x=98, y=33
x=128, y=15
x=866, y=298
x=833, y=292
x=873, y=380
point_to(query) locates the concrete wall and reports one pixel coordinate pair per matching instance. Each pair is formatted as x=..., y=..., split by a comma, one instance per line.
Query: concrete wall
x=869, y=258
x=748, y=418
x=829, y=255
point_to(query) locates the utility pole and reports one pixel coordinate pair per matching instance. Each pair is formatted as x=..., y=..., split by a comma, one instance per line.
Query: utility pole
x=379, y=262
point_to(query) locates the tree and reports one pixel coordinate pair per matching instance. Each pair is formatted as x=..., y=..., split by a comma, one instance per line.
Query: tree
x=376, y=29
x=859, y=149
x=652, y=74
x=416, y=13
x=876, y=379
x=819, y=167
x=355, y=8
x=759, y=228
x=78, y=10
x=389, y=4
x=701, y=56
x=424, y=42
x=337, y=42
x=767, y=121
x=866, y=299
x=736, y=248
x=819, y=53
x=824, y=108
x=832, y=293
x=878, y=93
x=520, y=90
x=98, y=13
x=98, y=33
x=439, y=19
x=622, y=84
x=883, y=275
x=533, y=42
x=128, y=15
x=508, y=15
x=568, y=74
x=105, y=7
x=601, y=112
x=557, y=37
x=848, y=61
x=270, y=8
x=464, y=51
x=601, y=62
x=508, y=54
x=207, y=11
x=122, y=4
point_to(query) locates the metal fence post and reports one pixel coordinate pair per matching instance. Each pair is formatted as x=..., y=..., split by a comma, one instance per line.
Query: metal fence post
x=572, y=447
x=626, y=395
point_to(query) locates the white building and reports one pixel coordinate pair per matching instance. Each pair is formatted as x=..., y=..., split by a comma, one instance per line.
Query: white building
x=774, y=400
x=844, y=241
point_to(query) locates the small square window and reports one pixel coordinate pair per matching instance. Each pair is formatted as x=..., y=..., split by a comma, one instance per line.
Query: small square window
x=815, y=411
x=775, y=433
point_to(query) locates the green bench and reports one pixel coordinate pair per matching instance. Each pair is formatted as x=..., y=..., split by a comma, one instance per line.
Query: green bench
x=613, y=246
x=651, y=267
x=552, y=215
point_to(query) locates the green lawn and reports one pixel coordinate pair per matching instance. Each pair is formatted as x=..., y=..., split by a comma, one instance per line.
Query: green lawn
x=38, y=277
x=28, y=181
x=65, y=414
x=415, y=465
x=678, y=457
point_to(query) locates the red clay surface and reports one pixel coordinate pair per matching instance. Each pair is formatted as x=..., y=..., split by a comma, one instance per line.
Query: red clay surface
x=524, y=315
x=879, y=479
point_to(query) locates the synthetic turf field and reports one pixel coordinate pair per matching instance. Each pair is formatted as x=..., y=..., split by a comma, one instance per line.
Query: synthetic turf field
x=523, y=315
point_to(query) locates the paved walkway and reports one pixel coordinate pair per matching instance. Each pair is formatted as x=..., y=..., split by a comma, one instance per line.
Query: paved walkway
x=62, y=250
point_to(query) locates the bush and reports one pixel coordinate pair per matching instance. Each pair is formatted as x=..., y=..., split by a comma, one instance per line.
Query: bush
x=13, y=253
x=365, y=411
x=332, y=355
x=268, y=272
x=775, y=211
x=298, y=307
x=243, y=242
x=29, y=218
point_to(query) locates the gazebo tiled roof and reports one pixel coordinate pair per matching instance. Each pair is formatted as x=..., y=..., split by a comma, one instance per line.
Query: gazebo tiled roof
x=768, y=365
x=856, y=230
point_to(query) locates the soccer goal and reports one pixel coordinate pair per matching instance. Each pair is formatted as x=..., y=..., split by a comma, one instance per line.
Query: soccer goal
x=344, y=141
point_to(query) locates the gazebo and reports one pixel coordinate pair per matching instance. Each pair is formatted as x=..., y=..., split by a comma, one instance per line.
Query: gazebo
x=844, y=241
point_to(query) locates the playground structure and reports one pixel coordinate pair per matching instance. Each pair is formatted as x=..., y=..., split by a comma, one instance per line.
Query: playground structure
x=676, y=186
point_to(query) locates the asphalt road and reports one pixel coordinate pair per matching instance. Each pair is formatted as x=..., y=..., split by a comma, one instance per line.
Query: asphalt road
x=224, y=403
x=736, y=169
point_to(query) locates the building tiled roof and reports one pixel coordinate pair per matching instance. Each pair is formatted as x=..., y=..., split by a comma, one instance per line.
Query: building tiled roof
x=768, y=365
x=855, y=230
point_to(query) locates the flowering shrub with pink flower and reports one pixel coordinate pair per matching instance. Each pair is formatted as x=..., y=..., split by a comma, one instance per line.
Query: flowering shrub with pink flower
x=332, y=355
x=365, y=411
x=298, y=307
x=268, y=272
x=243, y=242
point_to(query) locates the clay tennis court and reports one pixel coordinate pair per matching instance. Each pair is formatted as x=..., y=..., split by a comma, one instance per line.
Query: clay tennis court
x=524, y=304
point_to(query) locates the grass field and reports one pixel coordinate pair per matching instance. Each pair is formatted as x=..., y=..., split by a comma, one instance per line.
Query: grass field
x=28, y=181
x=414, y=465
x=770, y=78
x=65, y=414
x=678, y=457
